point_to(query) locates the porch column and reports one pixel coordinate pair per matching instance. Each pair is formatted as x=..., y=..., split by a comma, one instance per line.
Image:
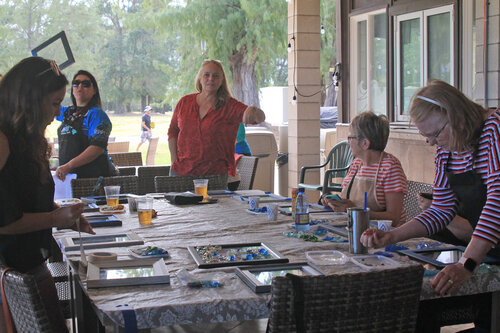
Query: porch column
x=304, y=80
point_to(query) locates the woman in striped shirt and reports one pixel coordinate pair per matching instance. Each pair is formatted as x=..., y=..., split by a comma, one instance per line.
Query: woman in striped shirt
x=373, y=171
x=467, y=180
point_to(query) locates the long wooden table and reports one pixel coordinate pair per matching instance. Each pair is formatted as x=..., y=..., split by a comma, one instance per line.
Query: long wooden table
x=225, y=222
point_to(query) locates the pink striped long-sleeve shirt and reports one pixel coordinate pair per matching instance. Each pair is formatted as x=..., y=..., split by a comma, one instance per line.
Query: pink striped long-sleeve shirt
x=487, y=166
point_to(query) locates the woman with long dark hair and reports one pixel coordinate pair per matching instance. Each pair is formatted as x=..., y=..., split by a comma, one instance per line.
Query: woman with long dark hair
x=30, y=97
x=84, y=132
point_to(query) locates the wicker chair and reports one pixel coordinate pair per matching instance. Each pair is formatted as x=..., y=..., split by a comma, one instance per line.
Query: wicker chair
x=185, y=183
x=410, y=202
x=247, y=166
x=127, y=171
x=25, y=303
x=84, y=187
x=378, y=301
x=147, y=176
x=127, y=159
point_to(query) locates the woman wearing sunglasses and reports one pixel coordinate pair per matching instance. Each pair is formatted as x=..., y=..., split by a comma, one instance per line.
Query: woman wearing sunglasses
x=84, y=132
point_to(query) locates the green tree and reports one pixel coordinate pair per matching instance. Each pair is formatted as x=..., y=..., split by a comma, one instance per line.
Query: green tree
x=247, y=35
x=328, y=53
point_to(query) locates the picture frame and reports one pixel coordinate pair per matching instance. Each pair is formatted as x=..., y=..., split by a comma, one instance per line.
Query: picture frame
x=313, y=208
x=210, y=256
x=97, y=221
x=266, y=198
x=101, y=241
x=259, y=278
x=133, y=272
x=51, y=50
x=441, y=257
x=340, y=229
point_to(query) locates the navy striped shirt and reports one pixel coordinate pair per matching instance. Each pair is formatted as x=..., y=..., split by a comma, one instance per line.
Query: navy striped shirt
x=487, y=165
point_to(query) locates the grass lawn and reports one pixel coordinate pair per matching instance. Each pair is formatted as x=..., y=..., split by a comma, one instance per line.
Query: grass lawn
x=126, y=127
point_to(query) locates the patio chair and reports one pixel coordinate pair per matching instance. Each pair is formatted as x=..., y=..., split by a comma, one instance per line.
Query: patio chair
x=410, y=202
x=376, y=301
x=185, y=183
x=247, y=166
x=337, y=164
x=85, y=186
x=132, y=158
x=147, y=176
x=24, y=301
x=151, y=154
x=127, y=171
x=118, y=147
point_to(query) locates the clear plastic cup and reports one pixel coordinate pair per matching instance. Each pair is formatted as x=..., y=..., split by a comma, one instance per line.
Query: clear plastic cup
x=112, y=195
x=145, y=210
x=201, y=187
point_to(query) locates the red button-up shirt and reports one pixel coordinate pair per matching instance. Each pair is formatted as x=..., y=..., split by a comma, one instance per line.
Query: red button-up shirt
x=205, y=146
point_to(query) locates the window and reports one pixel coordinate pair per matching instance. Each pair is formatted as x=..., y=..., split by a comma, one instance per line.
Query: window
x=424, y=50
x=368, y=90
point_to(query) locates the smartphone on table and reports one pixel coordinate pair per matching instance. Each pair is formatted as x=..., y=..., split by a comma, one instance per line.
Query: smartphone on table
x=335, y=197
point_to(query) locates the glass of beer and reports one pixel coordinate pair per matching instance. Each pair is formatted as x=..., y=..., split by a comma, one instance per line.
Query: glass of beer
x=200, y=187
x=112, y=195
x=145, y=210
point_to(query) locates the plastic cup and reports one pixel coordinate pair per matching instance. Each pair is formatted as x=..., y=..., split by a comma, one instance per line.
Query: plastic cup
x=145, y=210
x=112, y=195
x=384, y=225
x=272, y=212
x=254, y=203
x=200, y=187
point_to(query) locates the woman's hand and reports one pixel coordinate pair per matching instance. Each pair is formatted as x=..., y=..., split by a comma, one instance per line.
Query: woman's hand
x=67, y=217
x=337, y=206
x=84, y=226
x=423, y=203
x=449, y=279
x=376, y=238
x=62, y=171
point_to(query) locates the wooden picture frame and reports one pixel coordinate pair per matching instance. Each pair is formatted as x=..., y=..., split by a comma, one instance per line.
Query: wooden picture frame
x=101, y=241
x=222, y=259
x=103, y=274
x=259, y=278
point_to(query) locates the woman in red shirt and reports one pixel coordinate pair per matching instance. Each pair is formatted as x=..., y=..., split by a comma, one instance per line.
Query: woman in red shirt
x=204, y=125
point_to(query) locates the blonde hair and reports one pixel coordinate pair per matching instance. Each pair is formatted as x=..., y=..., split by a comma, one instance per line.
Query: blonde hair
x=375, y=128
x=465, y=117
x=224, y=93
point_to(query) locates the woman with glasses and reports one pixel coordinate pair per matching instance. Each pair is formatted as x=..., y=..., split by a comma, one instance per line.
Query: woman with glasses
x=84, y=132
x=203, y=129
x=373, y=173
x=467, y=180
x=30, y=97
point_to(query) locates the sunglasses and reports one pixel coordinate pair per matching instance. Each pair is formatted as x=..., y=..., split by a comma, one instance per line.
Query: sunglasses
x=85, y=83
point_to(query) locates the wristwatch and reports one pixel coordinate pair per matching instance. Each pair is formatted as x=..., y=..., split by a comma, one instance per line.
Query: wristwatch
x=468, y=263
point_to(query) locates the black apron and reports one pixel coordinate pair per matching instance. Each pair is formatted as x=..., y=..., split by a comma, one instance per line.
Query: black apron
x=73, y=141
x=471, y=194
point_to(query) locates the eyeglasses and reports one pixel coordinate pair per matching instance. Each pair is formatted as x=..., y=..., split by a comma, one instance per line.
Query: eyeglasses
x=85, y=83
x=435, y=135
x=349, y=138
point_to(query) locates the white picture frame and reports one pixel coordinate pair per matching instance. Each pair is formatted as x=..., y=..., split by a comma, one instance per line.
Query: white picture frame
x=101, y=241
x=104, y=274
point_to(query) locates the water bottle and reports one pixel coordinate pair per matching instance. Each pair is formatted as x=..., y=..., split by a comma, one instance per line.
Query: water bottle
x=302, y=211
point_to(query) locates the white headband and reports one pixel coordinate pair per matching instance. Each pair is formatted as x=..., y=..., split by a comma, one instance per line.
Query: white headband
x=429, y=100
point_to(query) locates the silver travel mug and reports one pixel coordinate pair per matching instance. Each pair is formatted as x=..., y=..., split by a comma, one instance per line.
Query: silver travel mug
x=358, y=220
